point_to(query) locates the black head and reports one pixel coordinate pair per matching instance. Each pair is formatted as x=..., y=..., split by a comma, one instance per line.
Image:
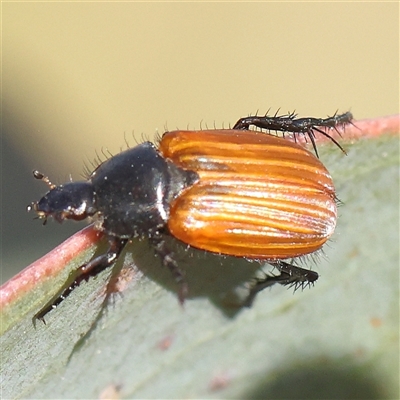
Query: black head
x=73, y=200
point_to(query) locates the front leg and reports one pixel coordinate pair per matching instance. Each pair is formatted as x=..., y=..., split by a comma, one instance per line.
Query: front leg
x=83, y=273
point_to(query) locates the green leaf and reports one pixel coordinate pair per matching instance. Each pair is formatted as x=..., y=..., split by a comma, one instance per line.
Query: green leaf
x=339, y=339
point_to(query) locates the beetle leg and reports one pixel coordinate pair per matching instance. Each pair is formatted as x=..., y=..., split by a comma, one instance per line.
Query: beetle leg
x=259, y=122
x=293, y=275
x=84, y=272
x=168, y=260
x=290, y=275
x=289, y=123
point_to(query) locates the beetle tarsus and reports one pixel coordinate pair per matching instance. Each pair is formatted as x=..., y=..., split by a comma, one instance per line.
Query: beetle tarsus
x=291, y=275
x=83, y=273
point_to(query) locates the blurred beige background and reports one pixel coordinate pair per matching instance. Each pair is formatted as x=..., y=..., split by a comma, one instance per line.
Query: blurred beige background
x=81, y=77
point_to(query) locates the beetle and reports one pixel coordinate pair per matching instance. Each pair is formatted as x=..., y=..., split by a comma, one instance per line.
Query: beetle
x=237, y=192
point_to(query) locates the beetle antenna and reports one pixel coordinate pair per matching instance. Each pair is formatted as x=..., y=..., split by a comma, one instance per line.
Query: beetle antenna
x=42, y=177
